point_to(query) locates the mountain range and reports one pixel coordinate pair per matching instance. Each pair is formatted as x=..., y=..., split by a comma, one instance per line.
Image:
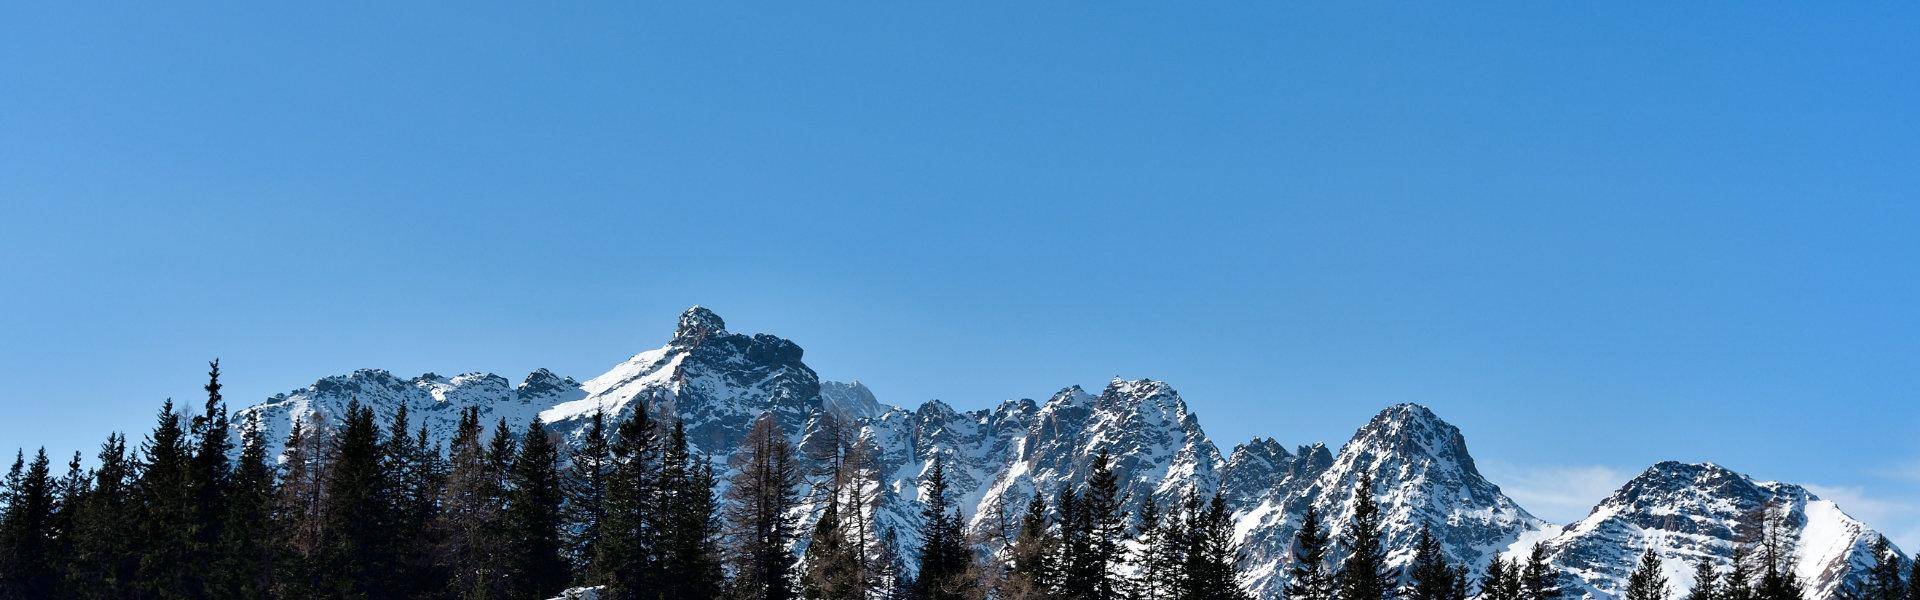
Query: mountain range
x=718, y=383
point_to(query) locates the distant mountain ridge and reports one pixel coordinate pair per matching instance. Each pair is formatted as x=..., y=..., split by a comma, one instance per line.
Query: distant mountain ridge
x=718, y=382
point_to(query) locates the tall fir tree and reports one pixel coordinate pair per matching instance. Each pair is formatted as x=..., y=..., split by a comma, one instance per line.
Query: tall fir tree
x=1154, y=567
x=246, y=551
x=689, y=532
x=1706, y=581
x=168, y=520
x=1209, y=572
x=1647, y=582
x=534, y=564
x=585, y=486
x=627, y=556
x=356, y=551
x=70, y=495
x=832, y=570
x=1309, y=577
x=1501, y=580
x=1737, y=584
x=945, y=558
x=1538, y=579
x=1429, y=577
x=1030, y=576
x=1364, y=574
x=104, y=561
x=27, y=536
x=411, y=466
x=1884, y=577
x=759, y=513
x=208, y=476
x=1105, y=534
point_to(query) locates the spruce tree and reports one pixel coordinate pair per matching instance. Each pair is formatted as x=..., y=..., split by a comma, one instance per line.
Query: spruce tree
x=690, y=564
x=468, y=506
x=832, y=572
x=585, y=486
x=1462, y=583
x=534, y=564
x=1706, y=581
x=1308, y=577
x=1738, y=583
x=208, y=475
x=627, y=556
x=944, y=556
x=168, y=518
x=1501, y=581
x=70, y=494
x=1030, y=576
x=104, y=562
x=1364, y=574
x=410, y=467
x=1539, y=580
x=1209, y=572
x=1153, y=569
x=1105, y=533
x=1429, y=577
x=246, y=553
x=1883, y=579
x=27, y=532
x=1913, y=580
x=356, y=552
x=1647, y=582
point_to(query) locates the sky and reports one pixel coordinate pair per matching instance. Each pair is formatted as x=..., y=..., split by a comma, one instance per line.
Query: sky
x=1593, y=237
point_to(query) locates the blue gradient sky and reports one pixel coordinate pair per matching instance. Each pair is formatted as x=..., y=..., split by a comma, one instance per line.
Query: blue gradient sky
x=1593, y=237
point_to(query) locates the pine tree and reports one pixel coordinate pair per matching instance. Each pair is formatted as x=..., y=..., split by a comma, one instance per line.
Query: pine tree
x=1913, y=580
x=208, y=476
x=627, y=557
x=103, y=558
x=534, y=564
x=1501, y=581
x=1029, y=574
x=832, y=572
x=1106, y=531
x=1154, y=568
x=70, y=494
x=892, y=581
x=760, y=525
x=1539, y=580
x=1309, y=578
x=411, y=467
x=1209, y=570
x=689, y=533
x=356, y=553
x=1429, y=577
x=944, y=556
x=1883, y=579
x=246, y=553
x=168, y=519
x=1738, y=583
x=1462, y=582
x=27, y=531
x=1706, y=581
x=585, y=485
x=1647, y=582
x=1364, y=574
x=469, y=504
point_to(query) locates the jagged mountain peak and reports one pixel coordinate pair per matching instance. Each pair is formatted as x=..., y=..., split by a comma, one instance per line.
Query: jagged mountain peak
x=696, y=324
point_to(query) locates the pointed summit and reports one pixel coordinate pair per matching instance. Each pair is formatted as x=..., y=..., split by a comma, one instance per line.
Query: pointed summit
x=696, y=324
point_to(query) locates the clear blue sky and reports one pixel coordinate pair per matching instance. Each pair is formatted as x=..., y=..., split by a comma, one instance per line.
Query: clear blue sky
x=1594, y=237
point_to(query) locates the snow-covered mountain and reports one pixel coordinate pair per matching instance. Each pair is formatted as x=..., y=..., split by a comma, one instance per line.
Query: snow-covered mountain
x=718, y=382
x=1686, y=511
x=1422, y=476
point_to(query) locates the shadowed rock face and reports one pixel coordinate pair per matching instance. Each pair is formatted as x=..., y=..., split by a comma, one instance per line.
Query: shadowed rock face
x=717, y=383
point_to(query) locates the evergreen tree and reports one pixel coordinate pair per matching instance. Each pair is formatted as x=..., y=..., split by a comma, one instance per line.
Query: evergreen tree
x=1706, y=581
x=1775, y=553
x=1738, y=583
x=1429, y=577
x=832, y=571
x=1364, y=574
x=246, y=553
x=1154, y=568
x=944, y=557
x=627, y=556
x=1029, y=574
x=1106, y=532
x=1462, y=581
x=104, y=561
x=534, y=564
x=1883, y=579
x=27, y=531
x=411, y=467
x=1539, y=580
x=585, y=486
x=298, y=510
x=689, y=534
x=1647, y=582
x=356, y=552
x=892, y=582
x=1209, y=570
x=1309, y=577
x=760, y=525
x=168, y=520
x=468, y=505
x=1501, y=581
x=208, y=476
x=1913, y=580
x=70, y=494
